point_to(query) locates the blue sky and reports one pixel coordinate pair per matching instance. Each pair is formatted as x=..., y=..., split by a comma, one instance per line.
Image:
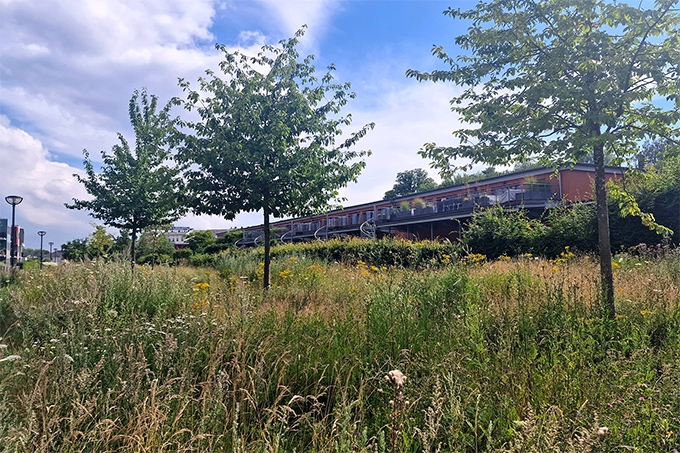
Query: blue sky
x=68, y=69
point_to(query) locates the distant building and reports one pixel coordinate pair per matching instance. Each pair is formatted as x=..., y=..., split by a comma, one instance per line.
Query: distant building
x=4, y=242
x=440, y=213
x=6, y=239
x=177, y=236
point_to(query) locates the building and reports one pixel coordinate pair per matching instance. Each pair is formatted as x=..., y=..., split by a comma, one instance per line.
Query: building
x=177, y=236
x=6, y=238
x=4, y=242
x=438, y=213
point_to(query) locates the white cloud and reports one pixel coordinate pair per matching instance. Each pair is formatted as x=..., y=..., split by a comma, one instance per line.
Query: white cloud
x=70, y=66
x=46, y=185
x=407, y=116
x=290, y=15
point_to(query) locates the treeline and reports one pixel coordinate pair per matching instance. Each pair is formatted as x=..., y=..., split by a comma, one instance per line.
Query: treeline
x=152, y=247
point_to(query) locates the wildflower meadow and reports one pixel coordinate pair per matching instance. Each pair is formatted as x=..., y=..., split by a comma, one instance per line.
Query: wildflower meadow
x=447, y=352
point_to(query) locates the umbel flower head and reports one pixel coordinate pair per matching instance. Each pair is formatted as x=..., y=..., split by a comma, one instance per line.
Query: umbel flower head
x=397, y=377
x=602, y=432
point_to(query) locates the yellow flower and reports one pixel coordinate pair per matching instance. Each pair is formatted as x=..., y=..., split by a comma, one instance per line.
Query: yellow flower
x=615, y=265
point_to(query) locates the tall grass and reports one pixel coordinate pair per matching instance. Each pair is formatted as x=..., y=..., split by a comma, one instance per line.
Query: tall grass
x=509, y=355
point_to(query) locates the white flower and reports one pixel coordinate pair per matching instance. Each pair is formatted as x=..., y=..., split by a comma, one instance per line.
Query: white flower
x=11, y=358
x=397, y=377
x=602, y=432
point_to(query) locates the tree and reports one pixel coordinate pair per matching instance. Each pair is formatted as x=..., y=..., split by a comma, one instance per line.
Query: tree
x=136, y=189
x=99, y=242
x=154, y=246
x=654, y=152
x=122, y=244
x=649, y=203
x=453, y=179
x=198, y=240
x=554, y=80
x=266, y=138
x=411, y=181
x=74, y=250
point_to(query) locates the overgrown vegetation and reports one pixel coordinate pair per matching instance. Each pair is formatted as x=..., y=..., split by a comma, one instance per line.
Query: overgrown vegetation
x=509, y=355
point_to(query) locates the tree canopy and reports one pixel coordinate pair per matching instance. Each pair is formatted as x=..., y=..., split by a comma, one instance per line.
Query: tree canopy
x=198, y=240
x=266, y=138
x=554, y=80
x=74, y=250
x=411, y=181
x=154, y=247
x=136, y=188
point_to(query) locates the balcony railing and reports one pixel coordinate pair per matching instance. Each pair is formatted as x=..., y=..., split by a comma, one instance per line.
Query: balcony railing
x=516, y=194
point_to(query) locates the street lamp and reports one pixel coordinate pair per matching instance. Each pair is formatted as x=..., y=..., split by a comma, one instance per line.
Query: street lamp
x=41, y=234
x=51, y=244
x=14, y=200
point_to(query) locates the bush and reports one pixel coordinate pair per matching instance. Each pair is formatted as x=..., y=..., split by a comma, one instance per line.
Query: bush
x=182, y=254
x=384, y=252
x=574, y=226
x=215, y=248
x=495, y=231
x=155, y=258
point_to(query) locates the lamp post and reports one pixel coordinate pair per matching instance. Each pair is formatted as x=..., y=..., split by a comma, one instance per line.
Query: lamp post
x=14, y=200
x=41, y=234
x=51, y=244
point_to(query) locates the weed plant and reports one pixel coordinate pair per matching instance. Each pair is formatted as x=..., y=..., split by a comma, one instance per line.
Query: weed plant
x=508, y=355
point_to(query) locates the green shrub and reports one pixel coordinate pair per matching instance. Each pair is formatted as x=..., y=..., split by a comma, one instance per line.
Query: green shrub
x=496, y=231
x=182, y=254
x=383, y=252
x=574, y=226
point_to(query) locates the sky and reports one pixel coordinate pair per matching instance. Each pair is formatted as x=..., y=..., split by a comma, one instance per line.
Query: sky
x=68, y=69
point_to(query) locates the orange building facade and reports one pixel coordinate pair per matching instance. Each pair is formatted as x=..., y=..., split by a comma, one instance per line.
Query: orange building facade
x=439, y=213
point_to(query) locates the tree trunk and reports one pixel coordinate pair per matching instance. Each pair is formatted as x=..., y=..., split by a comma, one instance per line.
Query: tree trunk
x=267, y=247
x=606, y=272
x=133, y=236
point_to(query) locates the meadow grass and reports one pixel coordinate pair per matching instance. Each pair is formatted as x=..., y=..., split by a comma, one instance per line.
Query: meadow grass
x=511, y=355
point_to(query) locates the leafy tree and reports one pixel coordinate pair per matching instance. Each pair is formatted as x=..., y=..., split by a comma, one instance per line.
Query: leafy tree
x=136, y=188
x=557, y=79
x=122, y=243
x=526, y=165
x=99, y=242
x=453, y=179
x=411, y=181
x=74, y=250
x=648, y=201
x=33, y=252
x=230, y=237
x=655, y=151
x=154, y=246
x=266, y=138
x=198, y=240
